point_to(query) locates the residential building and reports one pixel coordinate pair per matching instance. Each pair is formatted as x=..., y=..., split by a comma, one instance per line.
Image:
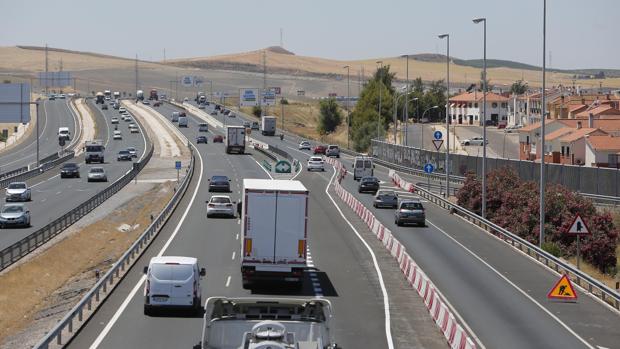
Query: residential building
x=602, y=151
x=467, y=108
x=573, y=145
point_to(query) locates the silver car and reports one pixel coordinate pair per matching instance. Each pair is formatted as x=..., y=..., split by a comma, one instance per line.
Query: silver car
x=18, y=191
x=304, y=145
x=97, y=174
x=14, y=215
x=410, y=212
x=220, y=205
x=385, y=198
x=133, y=152
x=316, y=163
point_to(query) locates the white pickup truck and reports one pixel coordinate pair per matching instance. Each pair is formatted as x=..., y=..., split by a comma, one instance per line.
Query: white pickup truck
x=261, y=323
x=274, y=219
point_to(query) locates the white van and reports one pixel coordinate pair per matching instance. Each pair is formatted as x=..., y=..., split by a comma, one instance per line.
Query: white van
x=183, y=122
x=362, y=167
x=63, y=133
x=173, y=282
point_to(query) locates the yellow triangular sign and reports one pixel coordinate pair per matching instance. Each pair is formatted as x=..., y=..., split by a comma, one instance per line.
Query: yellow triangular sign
x=563, y=289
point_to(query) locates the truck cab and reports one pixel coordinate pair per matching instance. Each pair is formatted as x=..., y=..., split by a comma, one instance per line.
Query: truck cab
x=94, y=152
x=362, y=167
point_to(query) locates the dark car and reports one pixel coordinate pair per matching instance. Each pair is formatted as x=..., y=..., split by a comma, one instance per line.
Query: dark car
x=385, y=198
x=124, y=155
x=319, y=149
x=218, y=139
x=201, y=139
x=218, y=107
x=368, y=184
x=104, y=107
x=219, y=183
x=226, y=111
x=410, y=212
x=156, y=104
x=70, y=169
x=182, y=114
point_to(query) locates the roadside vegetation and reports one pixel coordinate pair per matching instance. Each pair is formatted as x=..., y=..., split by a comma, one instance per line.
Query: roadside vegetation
x=514, y=203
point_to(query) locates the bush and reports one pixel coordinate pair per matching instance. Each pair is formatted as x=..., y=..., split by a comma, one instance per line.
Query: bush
x=257, y=111
x=552, y=248
x=284, y=101
x=330, y=116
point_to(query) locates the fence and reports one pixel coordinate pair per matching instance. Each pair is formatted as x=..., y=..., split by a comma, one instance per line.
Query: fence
x=587, y=180
x=46, y=164
x=108, y=281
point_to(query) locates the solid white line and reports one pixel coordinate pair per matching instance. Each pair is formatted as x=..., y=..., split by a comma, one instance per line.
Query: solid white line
x=386, y=301
x=514, y=286
x=233, y=255
x=228, y=281
x=133, y=292
x=237, y=237
x=34, y=185
x=262, y=168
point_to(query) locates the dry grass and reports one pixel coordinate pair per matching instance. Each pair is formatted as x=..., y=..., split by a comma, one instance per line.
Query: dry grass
x=29, y=288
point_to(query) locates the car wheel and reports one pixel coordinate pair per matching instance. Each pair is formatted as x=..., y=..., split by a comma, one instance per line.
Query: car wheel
x=398, y=223
x=147, y=310
x=466, y=143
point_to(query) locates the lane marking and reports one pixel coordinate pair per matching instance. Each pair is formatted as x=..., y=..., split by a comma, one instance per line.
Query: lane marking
x=228, y=281
x=133, y=292
x=386, y=302
x=233, y=255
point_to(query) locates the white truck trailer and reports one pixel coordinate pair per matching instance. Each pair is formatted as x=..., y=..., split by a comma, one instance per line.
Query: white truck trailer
x=274, y=216
x=235, y=139
x=268, y=125
x=267, y=323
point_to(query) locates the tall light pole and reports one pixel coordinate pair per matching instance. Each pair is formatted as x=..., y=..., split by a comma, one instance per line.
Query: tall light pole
x=416, y=99
x=484, y=118
x=380, y=92
x=542, y=134
x=422, y=132
x=447, y=165
x=406, y=108
x=348, y=111
x=397, y=97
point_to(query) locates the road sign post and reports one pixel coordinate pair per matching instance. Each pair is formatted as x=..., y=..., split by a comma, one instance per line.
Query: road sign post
x=429, y=168
x=177, y=166
x=578, y=228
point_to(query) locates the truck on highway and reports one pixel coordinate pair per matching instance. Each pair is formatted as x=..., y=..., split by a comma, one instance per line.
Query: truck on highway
x=235, y=139
x=200, y=98
x=153, y=95
x=140, y=95
x=94, y=151
x=267, y=323
x=99, y=98
x=116, y=95
x=268, y=125
x=107, y=94
x=274, y=216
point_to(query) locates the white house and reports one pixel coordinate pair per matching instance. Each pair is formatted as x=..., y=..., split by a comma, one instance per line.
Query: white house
x=467, y=108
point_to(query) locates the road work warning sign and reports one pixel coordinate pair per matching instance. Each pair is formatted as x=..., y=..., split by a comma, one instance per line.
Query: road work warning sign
x=563, y=290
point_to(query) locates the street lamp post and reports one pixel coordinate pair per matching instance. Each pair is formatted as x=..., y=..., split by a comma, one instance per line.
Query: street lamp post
x=407, y=116
x=447, y=165
x=380, y=93
x=422, y=128
x=484, y=118
x=398, y=96
x=542, y=134
x=348, y=111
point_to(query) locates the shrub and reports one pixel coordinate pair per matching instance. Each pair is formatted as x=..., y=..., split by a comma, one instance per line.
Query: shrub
x=257, y=111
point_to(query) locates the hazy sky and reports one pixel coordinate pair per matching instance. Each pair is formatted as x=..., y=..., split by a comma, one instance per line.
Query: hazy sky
x=579, y=33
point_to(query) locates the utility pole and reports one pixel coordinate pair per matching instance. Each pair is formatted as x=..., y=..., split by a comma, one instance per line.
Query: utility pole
x=447, y=165
x=137, y=84
x=542, y=134
x=60, y=65
x=484, y=118
x=261, y=95
x=164, y=55
x=380, y=93
x=406, y=116
x=46, y=70
x=348, y=111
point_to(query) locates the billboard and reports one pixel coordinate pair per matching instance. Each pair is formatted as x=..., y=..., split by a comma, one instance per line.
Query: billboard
x=197, y=81
x=248, y=97
x=269, y=98
x=276, y=90
x=15, y=103
x=55, y=79
x=187, y=81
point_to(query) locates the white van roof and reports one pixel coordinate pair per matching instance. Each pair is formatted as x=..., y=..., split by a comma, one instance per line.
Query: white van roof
x=273, y=184
x=63, y=129
x=174, y=259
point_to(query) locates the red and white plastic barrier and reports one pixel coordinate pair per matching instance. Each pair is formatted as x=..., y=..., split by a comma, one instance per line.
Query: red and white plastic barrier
x=454, y=333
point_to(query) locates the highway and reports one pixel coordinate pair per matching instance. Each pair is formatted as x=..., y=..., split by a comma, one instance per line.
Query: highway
x=500, y=294
x=53, y=196
x=52, y=115
x=344, y=273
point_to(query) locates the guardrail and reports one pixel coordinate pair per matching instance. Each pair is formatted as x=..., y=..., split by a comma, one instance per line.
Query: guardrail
x=587, y=282
x=266, y=165
x=13, y=172
x=50, y=162
x=110, y=279
x=266, y=153
x=281, y=152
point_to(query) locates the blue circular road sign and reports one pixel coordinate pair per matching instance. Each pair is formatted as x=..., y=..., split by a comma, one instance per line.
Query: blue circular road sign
x=429, y=168
x=438, y=135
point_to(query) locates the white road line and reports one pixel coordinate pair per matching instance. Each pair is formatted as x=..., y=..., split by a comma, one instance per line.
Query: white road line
x=49, y=179
x=386, y=301
x=133, y=292
x=514, y=286
x=237, y=237
x=262, y=168
x=233, y=255
x=228, y=281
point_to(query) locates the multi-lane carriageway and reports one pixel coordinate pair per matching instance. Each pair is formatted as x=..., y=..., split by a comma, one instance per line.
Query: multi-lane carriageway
x=495, y=291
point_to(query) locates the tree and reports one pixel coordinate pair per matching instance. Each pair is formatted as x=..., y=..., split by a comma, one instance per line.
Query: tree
x=257, y=111
x=330, y=116
x=519, y=87
x=364, y=129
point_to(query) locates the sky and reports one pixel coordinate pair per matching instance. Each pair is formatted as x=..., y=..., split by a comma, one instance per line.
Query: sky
x=579, y=33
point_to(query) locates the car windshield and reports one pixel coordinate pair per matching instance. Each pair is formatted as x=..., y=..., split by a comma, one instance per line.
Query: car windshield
x=94, y=148
x=220, y=200
x=124, y=152
x=70, y=166
x=131, y=149
x=369, y=179
x=17, y=186
x=172, y=272
x=96, y=170
x=411, y=206
x=219, y=179
x=386, y=193
x=12, y=209
x=316, y=159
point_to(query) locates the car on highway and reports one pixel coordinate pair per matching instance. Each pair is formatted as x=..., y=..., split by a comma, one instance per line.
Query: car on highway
x=255, y=125
x=203, y=127
x=124, y=155
x=315, y=163
x=368, y=184
x=104, y=106
x=156, y=104
x=218, y=107
x=175, y=116
x=247, y=124
x=226, y=111
x=14, y=215
x=333, y=150
x=201, y=139
x=304, y=145
x=385, y=198
x=218, y=139
x=117, y=135
x=133, y=128
x=122, y=110
x=219, y=183
x=62, y=96
x=97, y=174
x=114, y=120
x=127, y=117
x=146, y=102
x=410, y=211
x=183, y=121
x=201, y=106
x=473, y=141
x=17, y=191
x=232, y=114
x=319, y=149
x=173, y=282
x=221, y=205
x=70, y=169
x=115, y=106
x=133, y=151
x=512, y=128
x=51, y=97
x=185, y=99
